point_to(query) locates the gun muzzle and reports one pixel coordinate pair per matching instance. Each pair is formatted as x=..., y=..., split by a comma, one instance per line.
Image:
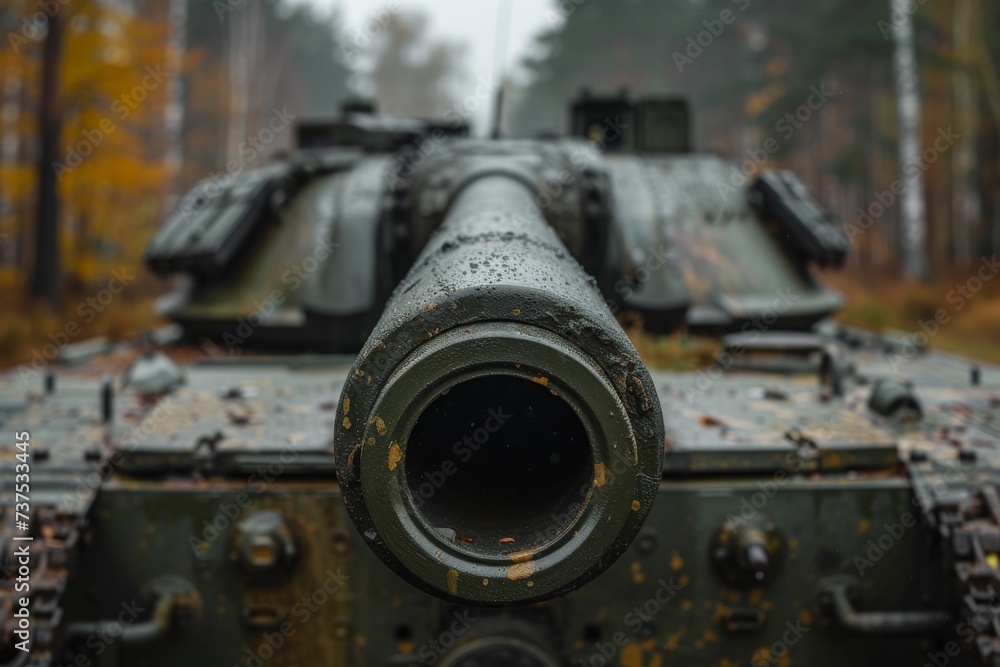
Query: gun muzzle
x=499, y=440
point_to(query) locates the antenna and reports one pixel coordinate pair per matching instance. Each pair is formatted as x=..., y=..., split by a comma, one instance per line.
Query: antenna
x=500, y=60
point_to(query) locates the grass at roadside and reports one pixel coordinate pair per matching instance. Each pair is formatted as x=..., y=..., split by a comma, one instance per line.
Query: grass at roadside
x=879, y=304
x=27, y=327
x=971, y=321
x=873, y=303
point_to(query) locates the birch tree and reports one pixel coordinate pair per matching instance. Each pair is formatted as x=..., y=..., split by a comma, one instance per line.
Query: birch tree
x=174, y=113
x=913, y=208
x=965, y=192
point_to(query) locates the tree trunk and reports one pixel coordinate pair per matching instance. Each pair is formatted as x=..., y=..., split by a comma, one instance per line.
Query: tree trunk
x=45, y=274
x=913, y=218
x=174, y=115
x=991, y=87
x=24, y=203
x=965, y=209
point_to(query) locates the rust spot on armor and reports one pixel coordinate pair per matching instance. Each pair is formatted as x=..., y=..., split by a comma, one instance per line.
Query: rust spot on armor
x=521, y=570
x=601, y=474
x=522, y=556
x=395, y=455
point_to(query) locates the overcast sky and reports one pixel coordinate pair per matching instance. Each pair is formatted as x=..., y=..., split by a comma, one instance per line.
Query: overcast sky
x=469, y=22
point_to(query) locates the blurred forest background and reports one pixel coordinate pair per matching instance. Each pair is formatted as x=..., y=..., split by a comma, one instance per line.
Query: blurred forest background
x=111, y=109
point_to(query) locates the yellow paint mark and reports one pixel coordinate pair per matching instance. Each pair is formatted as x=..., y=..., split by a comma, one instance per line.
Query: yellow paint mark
x=517, y=311
x=542, y=380
x=755, y=596
x=530, y=584
x=674, y=639
x=453, y=582
x=404, y=647
x=709, y=636
x=637, y=574
x=521, y=571
x=676, y=562
x=634, y=655
x=395, y=455
x=807, y=617
x=993, y=561
x=347, y=423
x=636, y=505
x=380, y=425
x=347, y=405
x=686, y=605
x=600, y=474
x=486, y=582
x=360, y=373
x=864, y=525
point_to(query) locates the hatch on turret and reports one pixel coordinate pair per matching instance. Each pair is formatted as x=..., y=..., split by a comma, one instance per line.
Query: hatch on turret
x=650, y=125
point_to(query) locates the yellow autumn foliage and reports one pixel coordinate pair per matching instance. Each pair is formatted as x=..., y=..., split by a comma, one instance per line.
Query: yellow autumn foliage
x=110, y=162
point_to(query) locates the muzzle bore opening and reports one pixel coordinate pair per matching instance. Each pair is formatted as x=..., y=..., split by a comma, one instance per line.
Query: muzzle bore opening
x=499, y=464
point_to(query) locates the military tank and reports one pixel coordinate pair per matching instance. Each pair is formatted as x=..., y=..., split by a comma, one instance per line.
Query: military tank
x=399, y=422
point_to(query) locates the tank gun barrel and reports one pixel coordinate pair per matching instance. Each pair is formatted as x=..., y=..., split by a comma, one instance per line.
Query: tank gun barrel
x=499, y=438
